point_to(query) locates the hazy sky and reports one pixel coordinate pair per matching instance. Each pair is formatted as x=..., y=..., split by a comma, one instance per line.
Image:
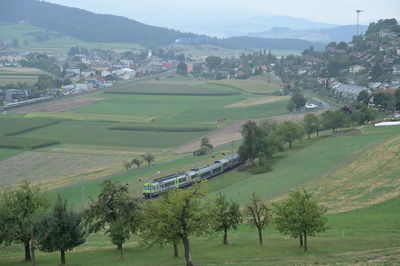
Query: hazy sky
x=164, y=12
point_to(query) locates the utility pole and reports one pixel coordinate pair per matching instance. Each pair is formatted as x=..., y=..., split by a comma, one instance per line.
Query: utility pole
x=83, y=193
x=358, y=21
x=151, y=176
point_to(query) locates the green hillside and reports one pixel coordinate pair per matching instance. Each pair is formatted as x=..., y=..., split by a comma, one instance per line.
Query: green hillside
x=37, y=39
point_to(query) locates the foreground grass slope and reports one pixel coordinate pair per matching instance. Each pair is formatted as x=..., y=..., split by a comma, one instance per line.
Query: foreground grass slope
x=371, y=235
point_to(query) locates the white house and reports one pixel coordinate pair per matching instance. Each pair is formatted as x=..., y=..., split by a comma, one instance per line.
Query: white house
x=125, y=73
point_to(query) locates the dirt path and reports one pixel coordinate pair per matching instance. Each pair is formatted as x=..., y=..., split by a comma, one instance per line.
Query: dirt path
x=232, y=132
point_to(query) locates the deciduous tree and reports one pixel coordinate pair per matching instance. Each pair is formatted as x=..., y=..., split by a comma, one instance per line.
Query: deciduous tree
x=259, y=214
x=311, y=124
x=149, y=158
x=114, y=211
x=137, y=162
x=290, y=131
x=182, y=213
x=19, y=212
x=334, y=119
x=226, y=216
x=299, y=216
x=61, y=230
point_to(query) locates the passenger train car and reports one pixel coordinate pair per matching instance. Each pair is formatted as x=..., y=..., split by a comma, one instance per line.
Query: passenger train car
x=166, y=183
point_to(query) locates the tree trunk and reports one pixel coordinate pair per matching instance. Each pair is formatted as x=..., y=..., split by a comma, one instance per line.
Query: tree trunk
x=317, y=133
x=121, y=252
x=33, y=255
x=33, y=245
x=119, y=246
x=62, y=257
x=175, y=249
x=260, y=236
x=309, y=135
x=27, y=251
x=301, y=240
x=225, y=236
x=186, y=245
x=290, y=144
x=305, y=241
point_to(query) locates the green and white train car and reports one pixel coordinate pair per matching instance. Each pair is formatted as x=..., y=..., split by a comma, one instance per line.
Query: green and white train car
x=166, y=183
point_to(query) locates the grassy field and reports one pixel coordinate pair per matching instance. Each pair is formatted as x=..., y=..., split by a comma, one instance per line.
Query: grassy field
x=367, y=236
x=7, y=153
x=90, y=117
x=99, y=133
x=254, y=86
x=10, y=126
x=182, y=108
x=330, y=153
x=167, y=87
x=12, y=75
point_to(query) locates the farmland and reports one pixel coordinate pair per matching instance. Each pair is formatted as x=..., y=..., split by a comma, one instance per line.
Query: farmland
x=130, y=119
x=367, y=235
x=360, y=191
x=12, y=75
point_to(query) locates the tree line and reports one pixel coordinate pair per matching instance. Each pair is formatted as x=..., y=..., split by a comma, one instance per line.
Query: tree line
x=262, y=142
x=173, y=218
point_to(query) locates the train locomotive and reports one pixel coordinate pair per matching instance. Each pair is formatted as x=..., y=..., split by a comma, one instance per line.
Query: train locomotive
x=170, y=182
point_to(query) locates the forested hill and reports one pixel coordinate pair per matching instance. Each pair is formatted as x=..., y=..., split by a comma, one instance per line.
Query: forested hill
x=91, y=27
x=86, y=25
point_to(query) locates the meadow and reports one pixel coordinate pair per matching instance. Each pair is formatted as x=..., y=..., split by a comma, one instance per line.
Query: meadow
x=364, y=236
x=254, y=86
x=99, y=133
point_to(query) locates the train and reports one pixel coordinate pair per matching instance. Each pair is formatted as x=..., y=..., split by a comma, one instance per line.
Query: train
x=195, y=175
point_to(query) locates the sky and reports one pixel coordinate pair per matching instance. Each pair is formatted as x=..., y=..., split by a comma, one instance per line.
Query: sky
x=172, y=13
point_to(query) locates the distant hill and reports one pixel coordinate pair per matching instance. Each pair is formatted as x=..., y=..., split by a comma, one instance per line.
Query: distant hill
x=337, y=34
x=253, y=43
x=86, y=25
x=233, y=23
x=91, y=27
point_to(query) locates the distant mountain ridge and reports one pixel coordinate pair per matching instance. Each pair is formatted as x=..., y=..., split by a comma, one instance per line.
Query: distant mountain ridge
x=337, y=34
x=232, y=24
x=86, y=25
x=91, y=27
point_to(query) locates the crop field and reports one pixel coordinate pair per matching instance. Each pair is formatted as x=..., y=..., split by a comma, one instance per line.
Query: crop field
x=10, y=126
x=172, y=88
x=6, y=153
x=89, y=117
x=182, y=108
x=254, y=86
x=41, y=166
x=12, y=75
x=99, y=133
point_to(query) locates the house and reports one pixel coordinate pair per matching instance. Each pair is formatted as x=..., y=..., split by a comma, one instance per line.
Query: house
x=347, y=90
x=396, y=70
x=88, y=74
x=125, y=73
x=356, y=69
x=73, y=72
